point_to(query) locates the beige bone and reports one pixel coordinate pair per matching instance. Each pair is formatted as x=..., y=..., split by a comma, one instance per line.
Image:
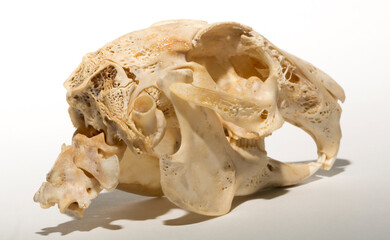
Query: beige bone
x=182, y=109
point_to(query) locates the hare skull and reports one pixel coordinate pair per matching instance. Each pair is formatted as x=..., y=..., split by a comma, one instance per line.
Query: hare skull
x=181, y=109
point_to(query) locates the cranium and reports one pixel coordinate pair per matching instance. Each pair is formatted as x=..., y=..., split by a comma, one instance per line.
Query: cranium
x=181, y=109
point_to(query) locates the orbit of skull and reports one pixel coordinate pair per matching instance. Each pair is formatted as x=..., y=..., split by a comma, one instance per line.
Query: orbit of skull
x=181, y=109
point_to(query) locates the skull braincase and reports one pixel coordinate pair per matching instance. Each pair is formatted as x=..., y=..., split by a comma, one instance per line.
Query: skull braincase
x=181, y=109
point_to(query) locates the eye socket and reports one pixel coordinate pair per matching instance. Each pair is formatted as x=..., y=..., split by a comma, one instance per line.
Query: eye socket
x=234, y=59
x=246, y=66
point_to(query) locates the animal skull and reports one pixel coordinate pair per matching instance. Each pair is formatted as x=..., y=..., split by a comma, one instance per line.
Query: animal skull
x=181, y=109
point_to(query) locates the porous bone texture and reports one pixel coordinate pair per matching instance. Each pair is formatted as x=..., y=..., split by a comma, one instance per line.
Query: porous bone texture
x=181, y=109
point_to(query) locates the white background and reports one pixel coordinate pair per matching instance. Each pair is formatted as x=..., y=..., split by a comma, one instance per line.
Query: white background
x=43, y=41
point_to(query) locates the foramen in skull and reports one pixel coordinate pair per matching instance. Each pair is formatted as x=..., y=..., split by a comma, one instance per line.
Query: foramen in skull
x=181, y=109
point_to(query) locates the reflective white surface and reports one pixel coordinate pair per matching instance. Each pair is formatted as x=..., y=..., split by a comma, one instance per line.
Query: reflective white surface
x=42, y=43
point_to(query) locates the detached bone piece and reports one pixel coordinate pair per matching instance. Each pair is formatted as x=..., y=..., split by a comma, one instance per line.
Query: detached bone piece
x=181, y=109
